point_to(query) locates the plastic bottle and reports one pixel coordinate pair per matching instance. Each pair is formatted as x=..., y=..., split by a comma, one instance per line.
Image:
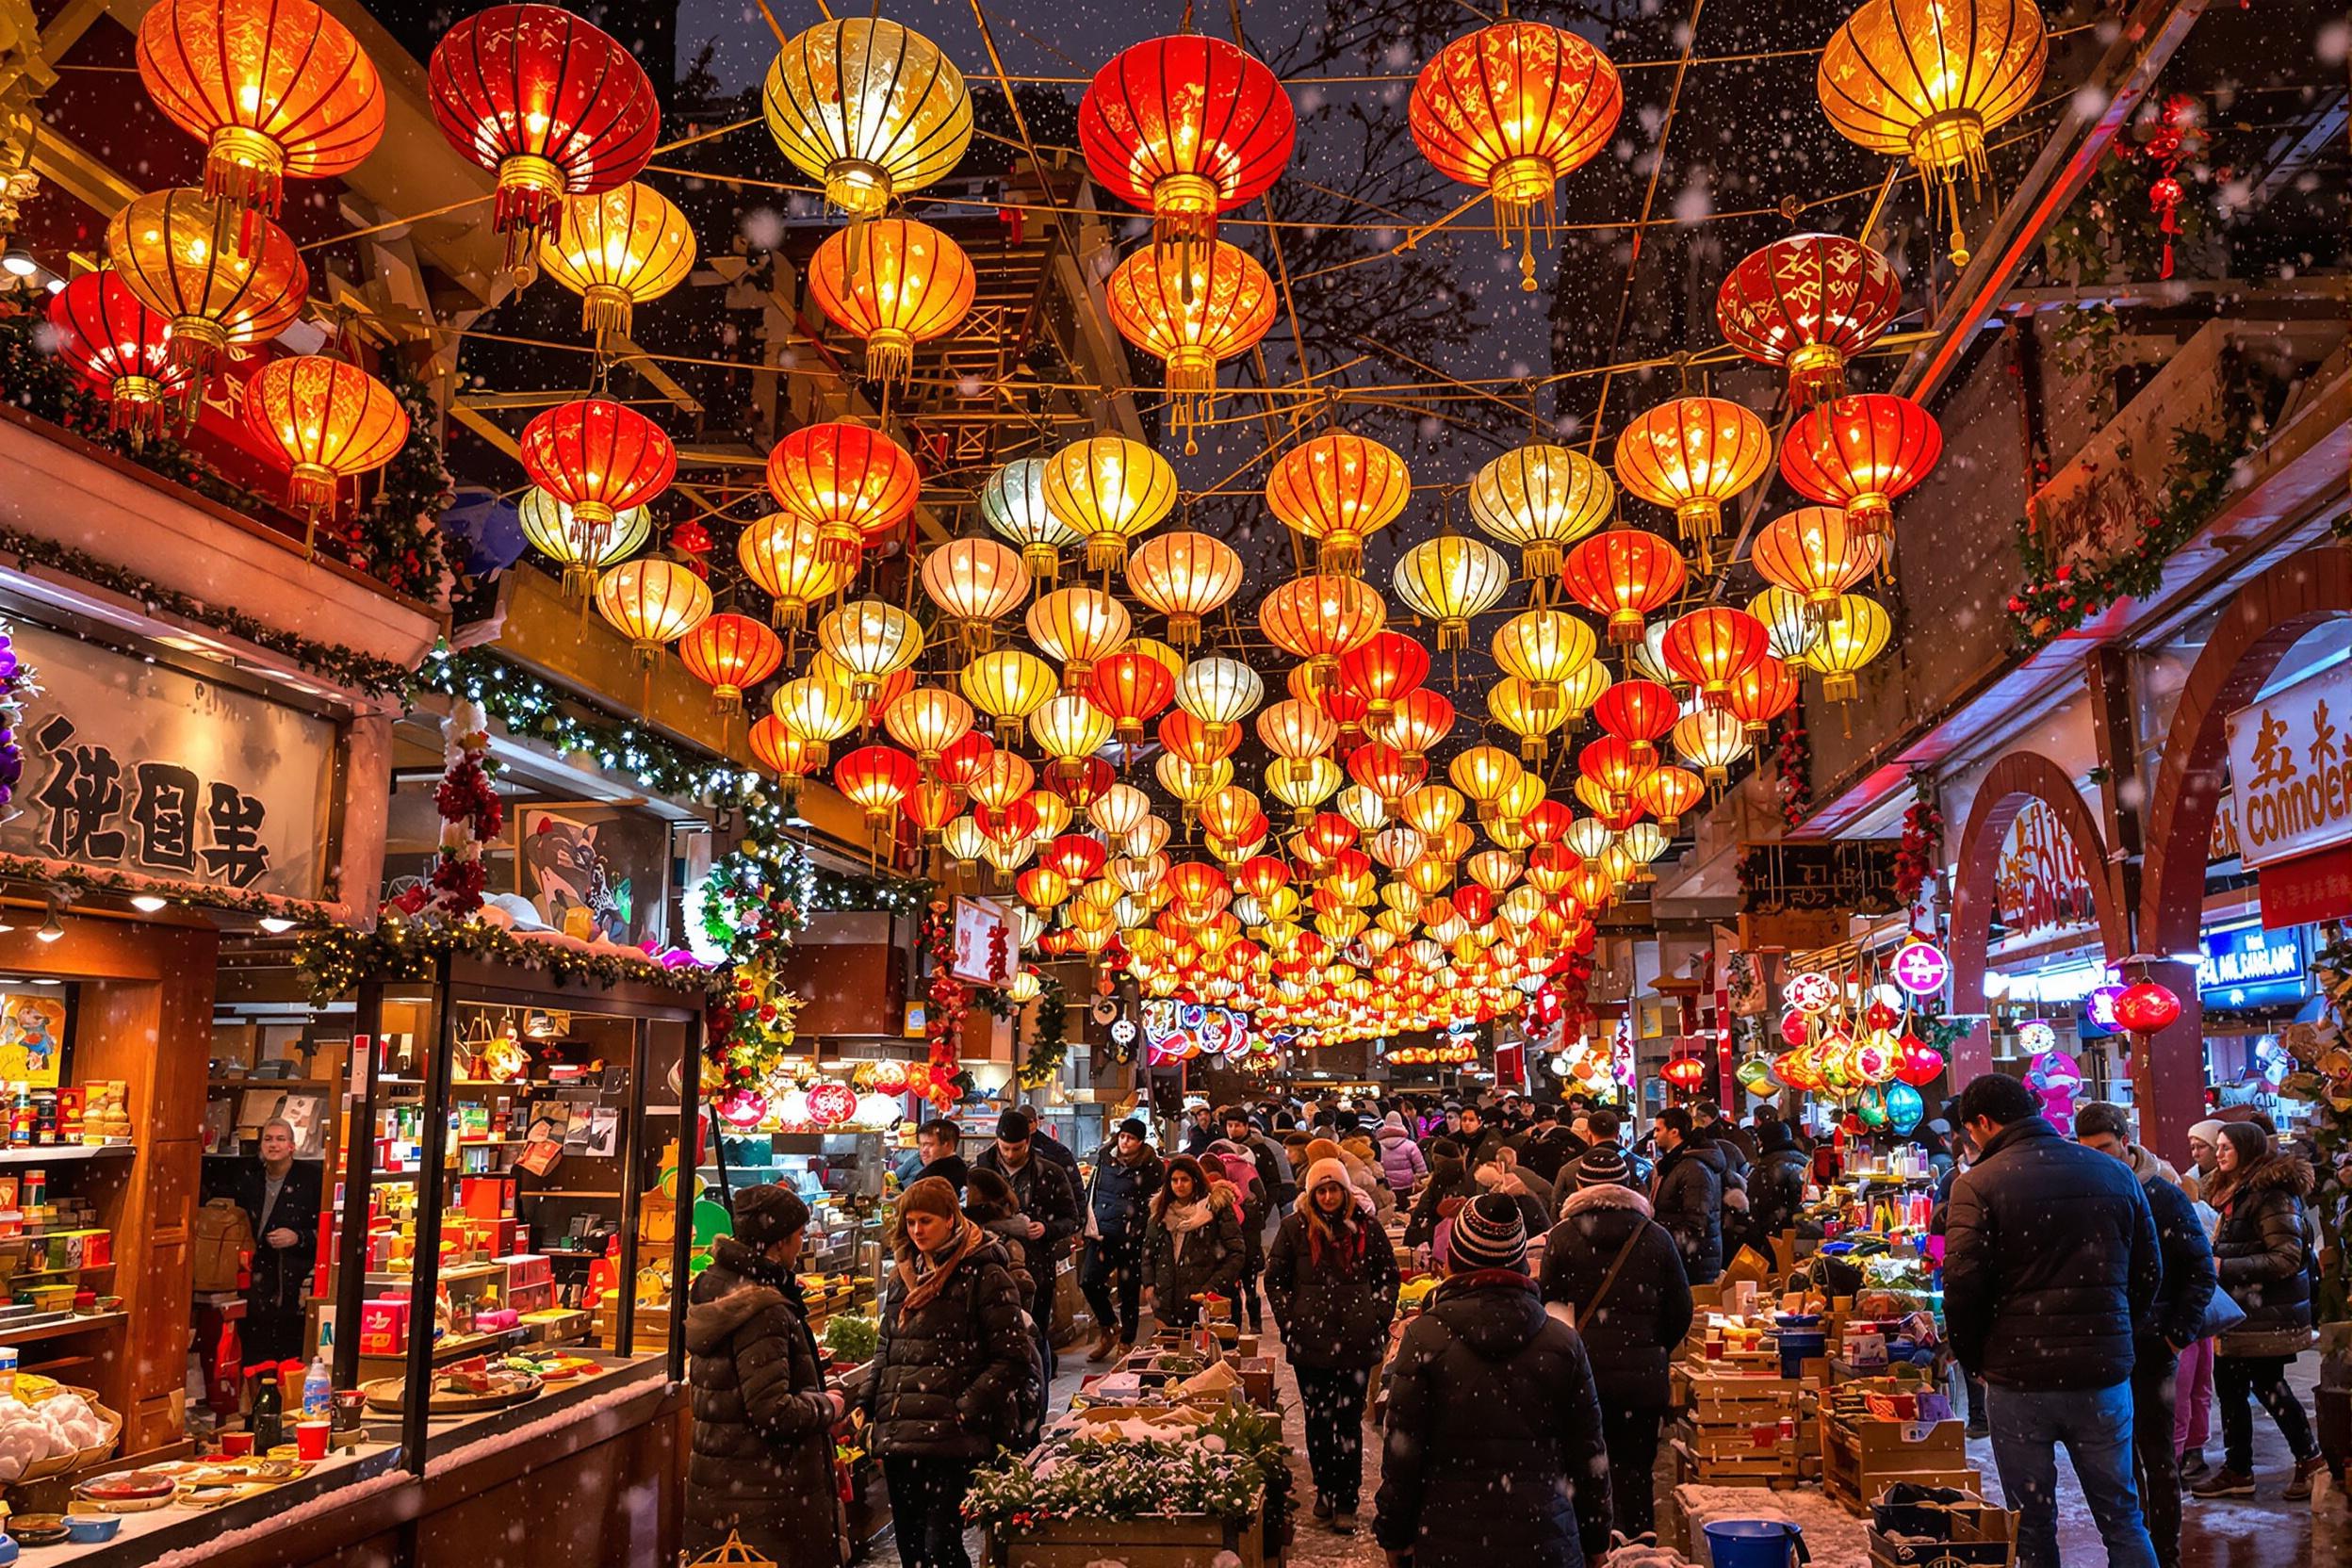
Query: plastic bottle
x=317, y=1389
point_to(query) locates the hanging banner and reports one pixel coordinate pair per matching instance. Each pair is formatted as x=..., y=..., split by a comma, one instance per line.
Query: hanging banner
x=2040, y=884
x=2291, y=769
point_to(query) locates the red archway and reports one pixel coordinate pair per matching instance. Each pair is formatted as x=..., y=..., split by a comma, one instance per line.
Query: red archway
x=2268, y=616
x=2013, y=782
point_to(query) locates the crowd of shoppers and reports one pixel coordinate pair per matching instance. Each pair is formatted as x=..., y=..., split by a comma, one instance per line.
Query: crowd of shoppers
x=2098, y=1299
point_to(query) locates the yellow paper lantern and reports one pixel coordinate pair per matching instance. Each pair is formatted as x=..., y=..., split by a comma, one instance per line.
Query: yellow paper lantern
x=617, y=248
x=1542, y=498
x=1450, y=579
x=1111, y=490
x=1008, y=685
x=583, y=552
x=872, y=641
x=785, y=556
x=1855, y=633
x=1080, y=627
x=653, y=601
x=872, y=108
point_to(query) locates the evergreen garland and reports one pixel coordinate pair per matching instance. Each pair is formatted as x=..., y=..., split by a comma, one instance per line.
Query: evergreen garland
x=1051, y=1047
x=1093, y=1478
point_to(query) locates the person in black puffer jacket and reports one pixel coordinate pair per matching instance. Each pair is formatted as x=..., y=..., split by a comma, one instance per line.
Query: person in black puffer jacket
x=1629, y=1333
x=1194, y=1246
x=1687, y=1195
x=1777, y=1182
x=1331, y=1277
x=2262, y=1255
x=1493, y=1457
x=1449, y=1181
x=956, y=1377
x=762, y=1458
x=1117, y=1209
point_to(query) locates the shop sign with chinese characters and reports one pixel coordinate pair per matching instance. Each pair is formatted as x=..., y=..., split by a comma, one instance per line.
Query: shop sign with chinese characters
x=2040, y=884
x=142, y=769
x=2291, y=769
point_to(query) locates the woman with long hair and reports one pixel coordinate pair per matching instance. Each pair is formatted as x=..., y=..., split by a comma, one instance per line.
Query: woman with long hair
x=1192, y=1245
x=956, y=1377
x=1331, y=1279
x=2262, y=1253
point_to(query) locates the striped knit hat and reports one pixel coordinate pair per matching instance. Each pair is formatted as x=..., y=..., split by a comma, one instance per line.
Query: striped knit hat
x=1488, y=1234
x=1603, y=1163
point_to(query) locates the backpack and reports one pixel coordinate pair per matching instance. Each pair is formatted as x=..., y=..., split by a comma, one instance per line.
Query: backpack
x=224, y=1236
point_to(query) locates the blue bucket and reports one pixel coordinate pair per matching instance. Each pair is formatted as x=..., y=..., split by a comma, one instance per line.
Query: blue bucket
x=1754, y=1544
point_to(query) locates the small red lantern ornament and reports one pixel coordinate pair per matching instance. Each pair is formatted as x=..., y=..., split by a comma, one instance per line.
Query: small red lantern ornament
x=552, y=105
x=1808, y=302
x=121, y=349
x=600, y=458
x=1684, y=1072
x=1916, y=1063
x=2146, y=1009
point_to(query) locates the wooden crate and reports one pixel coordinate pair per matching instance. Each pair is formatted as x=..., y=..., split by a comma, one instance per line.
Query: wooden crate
x=1861, y=1458
x=1197, y=1541
x=1775, y=1467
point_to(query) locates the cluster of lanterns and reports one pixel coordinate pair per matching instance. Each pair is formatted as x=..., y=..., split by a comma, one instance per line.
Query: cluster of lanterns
x=1849, y=1035
x=799, y=1100
x=1448, y=1053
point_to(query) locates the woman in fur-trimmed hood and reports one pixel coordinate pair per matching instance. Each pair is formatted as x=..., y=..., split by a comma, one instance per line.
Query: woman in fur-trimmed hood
x=2262, y=1255
x=1193, y=1247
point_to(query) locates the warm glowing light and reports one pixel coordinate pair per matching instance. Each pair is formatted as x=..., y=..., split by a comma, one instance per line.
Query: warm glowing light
x=1691, y=455
x=892, y=283
x=1542, y=499
x=1192, y=309
x=1334, y=491
x=1111, y=490
x=617, y=248
x=1808, y=302
x=873, y=110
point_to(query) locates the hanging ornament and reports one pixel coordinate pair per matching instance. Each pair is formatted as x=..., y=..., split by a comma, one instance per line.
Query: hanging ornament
x=856, y=484
x=1191, y=309
x=1859, y=454
x=1542, y=499
x=1334, y=491
x=599, y=459
x=1186, y=576
x=1452, y=578
x=653, y=601
x=730, y=653
x=616, y=249
x=165, y=248
x=1808, y=302
x=1111, y=490
x=898, y=284
x=546, y=102
x=1623, y=575
x=330, y=421
x=1692, y=455
x=119, y=350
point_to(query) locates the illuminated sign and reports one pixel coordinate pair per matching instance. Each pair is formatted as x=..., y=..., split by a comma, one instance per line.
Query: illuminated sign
x=1920, y=968
x=2291, y=769
x=2249, y=967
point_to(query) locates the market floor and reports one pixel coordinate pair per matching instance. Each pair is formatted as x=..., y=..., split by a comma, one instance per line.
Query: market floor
x=2264, y=1532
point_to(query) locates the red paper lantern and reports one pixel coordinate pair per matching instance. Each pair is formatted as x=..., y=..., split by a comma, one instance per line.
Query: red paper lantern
x=1616, y=765
x=2147, y=1008
x=600, y=458
x=1624, y=574
x=1131, y=687
x=1381, y=672
x=1861, y=453
x=831, y=1103
x=960, y=763
x=1074, y=856
x=1684, y=1072
x=1188, y=126
x=878, y=780
x=1637, y=710
x=1421, y=720
x=1713, y=648
x=1916, y=1063
x=121, y=349
x=1765, y=691
x=1083, y=783
x=1667, y=793
x=552, y=105
x=1808, y=302
x=854, y=483
x=730, y=653
x=1385, y=770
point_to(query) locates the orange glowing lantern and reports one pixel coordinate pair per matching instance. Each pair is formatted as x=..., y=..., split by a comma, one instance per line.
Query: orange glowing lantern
x=901, y=284
x=1421, y=721
x=328, y=420
x=1767, y=689
x=1320, y=618
x=1691, y=455
x=731, y=653
x=784, y=555
x=1514, y=108
x=977, y=583
x=1188, y=127
x=853, y=482
x=165, y=250
x=616, y=249
x=1860, y=453
x=1335, y=490
x=1382, y=671
x=1624, y=574
x=653, y=601
x=1185, y=575
x=1713, y=648
x=1191, y=310
x=1816, y=553
x=876, y=780
x=600, y=458
x=1667, y=793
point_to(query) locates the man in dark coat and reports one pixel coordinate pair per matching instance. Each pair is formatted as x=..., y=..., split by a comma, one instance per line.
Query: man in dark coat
x=1548, y=1146
x=1493, y=1454
x=1687, y=1195
x=1200, y=1130
x=1618, y=1270
x=281, y=1196
x=1450, y=1182
x=1046, y=1194
x=1776, y=1180
x=1274, y=1166
x=2173, y=1324
x=936, y=1145
x=763, y=1457
x=2050, y=1263
x=1119, y=1207
x=1479, y=1139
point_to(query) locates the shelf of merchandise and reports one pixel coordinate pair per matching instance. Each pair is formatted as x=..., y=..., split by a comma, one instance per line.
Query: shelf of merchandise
x=52, y=1153
x=81, y=1325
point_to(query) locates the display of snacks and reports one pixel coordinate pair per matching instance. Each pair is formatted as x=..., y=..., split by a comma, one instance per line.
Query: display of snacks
x=131, y=1492
x=461, y=1388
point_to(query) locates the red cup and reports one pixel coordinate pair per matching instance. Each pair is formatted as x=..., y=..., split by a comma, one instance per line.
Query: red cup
x=310, y=1438
x=236, y=1445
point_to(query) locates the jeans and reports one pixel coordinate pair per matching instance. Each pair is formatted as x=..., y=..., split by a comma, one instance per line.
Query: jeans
x=1631, y=1438
x=2095, y=1425
x=1109, y=1259
x=2266, y=1378
x=2193, y=1406
x=2155, y=1458
x=1250, y=1312
x=927, y=1509
x=1331, y=1401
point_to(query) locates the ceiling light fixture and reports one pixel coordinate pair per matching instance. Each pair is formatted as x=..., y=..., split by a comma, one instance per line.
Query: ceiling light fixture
x=148, y=904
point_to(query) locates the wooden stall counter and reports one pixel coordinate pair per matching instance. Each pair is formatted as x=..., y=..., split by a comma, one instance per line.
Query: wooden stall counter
x=589, y=1472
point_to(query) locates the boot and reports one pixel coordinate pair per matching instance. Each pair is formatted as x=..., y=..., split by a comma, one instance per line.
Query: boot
x=2224, y=1483
x=1103, y=1342
x=2299, y=1489
x=1344, y=1520
x=2194, y=1466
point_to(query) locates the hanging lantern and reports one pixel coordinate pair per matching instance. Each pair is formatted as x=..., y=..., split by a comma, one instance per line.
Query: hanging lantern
x=1195, y=744
x=1334, y=491
x=1219, y=691
x=1927, y=79
x=1710, y=741
x=616, y=249
x=785, y=557
x=599, y=459
x=1484, y=773
x=1616, y=766
x=872, y=641
x=1639, y=713
x=1111, y=490
x=730, y=653
x=1512, y=703
x=1069, y=729
x=1421, y=722
x=1684, y=1072
x=873, y=110
x=1187, y=127
x=272, y=87
x=1516, y=108
x=1013, y=501
x=876, y=780
x=1131, y=687
x=896, y=284
x=328, y=420
x=1078, y=626
x=1542, y=499
x=976, y=583
x=1543, y=648
x=1691, y=455
x=119, y=350
x=546, y=102
x=1319, y=618
x=1185, y=575
x=816, y=711
x=853, y=482
x=1763, y=693
x=1667, y=793
x=1624, y=574
x=1580, y=691
x=1713, y=648
x=1808, y=304
x=1791, y=625
x=2146, y=1010
x=1860, y=453
x=926, y=720
x=1450, y=579
x=563, y=538
x=1816, y=552
x=164, y=248
x=1382, y=671
x=783, y=753
x=1855, y=633
x=653, y=601
x=1298, y=733
x=1191, y=309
